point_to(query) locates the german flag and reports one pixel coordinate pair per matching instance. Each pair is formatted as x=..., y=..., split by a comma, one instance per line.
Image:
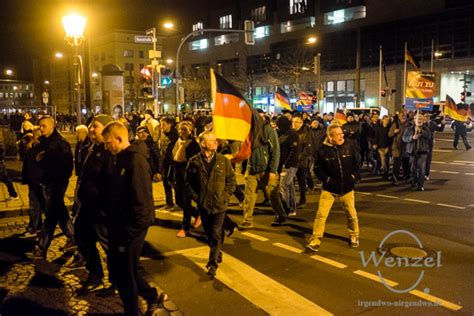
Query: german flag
x=409, y=57
x=459, y=112
x=281, y=99
x=340, y=117
x=232, y=114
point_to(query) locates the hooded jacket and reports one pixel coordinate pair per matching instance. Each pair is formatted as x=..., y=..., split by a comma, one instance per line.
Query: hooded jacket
x=336, y=167
x=289, y=149
x=130, y=208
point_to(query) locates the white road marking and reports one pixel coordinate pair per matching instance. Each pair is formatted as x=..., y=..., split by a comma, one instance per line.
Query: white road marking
x=329, y=261
x=365, y=193
x=375, y=278
x=433, y=170
x=469, y=174
x=387, y=196
x=439, y=162
x=464, y=161
x=162, y=211
x=434, y=299
x=450, y=172
x=418, y=201
x=287, y=247
x=458, y=164
x=266, y=293
x=442, y=151
x=254, y=236
x=451, y=206
x=175, y=214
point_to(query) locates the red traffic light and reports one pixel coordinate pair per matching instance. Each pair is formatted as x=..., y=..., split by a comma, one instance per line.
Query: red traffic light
x=147, y=72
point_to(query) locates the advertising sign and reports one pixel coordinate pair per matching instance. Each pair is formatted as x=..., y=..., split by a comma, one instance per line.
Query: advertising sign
x=420, y=90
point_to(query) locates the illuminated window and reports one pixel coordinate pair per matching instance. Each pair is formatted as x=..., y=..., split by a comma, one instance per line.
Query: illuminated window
x=298, y=6
x=297, y=25
x=262, y=31
x=344, y=15
x=128, y=53
x=198, y=26
x=226, y=39
x=225, y=22
x=199, y=44
x=259, y=14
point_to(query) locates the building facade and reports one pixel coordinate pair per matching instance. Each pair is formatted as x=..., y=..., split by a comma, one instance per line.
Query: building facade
x=16, y=95
x=348, y=35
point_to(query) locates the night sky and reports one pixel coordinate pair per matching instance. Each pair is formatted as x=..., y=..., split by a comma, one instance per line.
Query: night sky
x=33, y=27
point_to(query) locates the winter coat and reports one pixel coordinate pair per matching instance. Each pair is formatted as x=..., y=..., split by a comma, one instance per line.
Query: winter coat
x=31, y=172
x=382, y=140
x=130, y=208
x=289, y=149
x=418, y=145
x=154, y=155
x=305, y=145
x=318, y=136
x=397, y=144
x=57, y=163
x=166, y=144
x=178, y=169
x=210, y=191
x=80, y=154
x=337, y=167
x=265, y=158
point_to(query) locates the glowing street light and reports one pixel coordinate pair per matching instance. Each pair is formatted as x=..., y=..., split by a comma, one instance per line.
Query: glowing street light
x=168, y=25
x=58, y=55
x=169, y=61
x=94, y=75
x=46, y=82
x=74, y=27
x=312, y=40
x=438, y=54
x=9, y=72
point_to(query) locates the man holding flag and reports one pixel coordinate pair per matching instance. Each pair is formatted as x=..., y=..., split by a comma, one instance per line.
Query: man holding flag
x=460, y=114
x=234, y=119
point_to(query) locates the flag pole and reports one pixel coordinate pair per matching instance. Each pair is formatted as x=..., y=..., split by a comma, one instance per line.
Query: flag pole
x=380, y=76
x=404, y=74
x=432, y=54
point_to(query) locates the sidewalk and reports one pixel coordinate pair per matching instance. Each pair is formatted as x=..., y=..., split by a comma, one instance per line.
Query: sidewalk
x=21, y=207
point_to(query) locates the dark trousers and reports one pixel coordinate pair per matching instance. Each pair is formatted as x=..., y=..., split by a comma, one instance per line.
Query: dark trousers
x=301, y=177
x=85, y=236
x=56, y=212
x=429, y=157
x=463, y=136
x=184, y=200
x=168, y=187
x=5, y=178
x=239, y=192
x=123, y=263
x=406, y=167
x=397, y=162
x=36, y=195
x=213, y=227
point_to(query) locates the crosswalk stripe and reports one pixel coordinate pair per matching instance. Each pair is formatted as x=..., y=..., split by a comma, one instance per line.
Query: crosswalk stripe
x=451, y=206
x=254, y=236
x=450, y=172
x=464, y=161
x=439, y=162
x=387, y=196
x=287, y=247
x=442, y=151
x=329, y=261
x=375, y=278
x=434, y=299
x=469, y=174
x=365, y=193
x=264, y=292
x=418, y=201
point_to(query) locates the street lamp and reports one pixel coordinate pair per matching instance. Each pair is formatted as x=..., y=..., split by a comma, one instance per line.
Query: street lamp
x=74, y=27
x=168, y=25
x=311, y=40
x=58, y=55
x=9, y=72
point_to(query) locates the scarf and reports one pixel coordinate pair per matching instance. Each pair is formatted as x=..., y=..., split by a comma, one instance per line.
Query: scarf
x=179, y=149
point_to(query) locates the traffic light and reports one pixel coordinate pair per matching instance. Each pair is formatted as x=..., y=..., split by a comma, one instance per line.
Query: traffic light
x=465, y=94
x=147, y=71
x=249, y=28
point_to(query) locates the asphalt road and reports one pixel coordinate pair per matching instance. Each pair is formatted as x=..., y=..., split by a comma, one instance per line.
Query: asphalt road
x=265, y=272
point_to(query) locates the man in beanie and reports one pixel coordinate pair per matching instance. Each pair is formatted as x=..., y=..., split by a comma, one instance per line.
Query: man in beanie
x=154, y=159
x=151, y=124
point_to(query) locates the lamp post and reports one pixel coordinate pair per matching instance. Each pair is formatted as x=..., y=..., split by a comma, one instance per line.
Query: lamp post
x=74, y=27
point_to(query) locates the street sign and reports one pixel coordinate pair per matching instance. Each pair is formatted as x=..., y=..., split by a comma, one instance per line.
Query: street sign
x=166, y=81
x=143, y=39
x=156, y=54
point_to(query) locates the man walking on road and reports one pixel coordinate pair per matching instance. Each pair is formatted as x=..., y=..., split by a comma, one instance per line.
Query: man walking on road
x=130, y=212
x=337, y=166
x=210, y=179
x=55, y=158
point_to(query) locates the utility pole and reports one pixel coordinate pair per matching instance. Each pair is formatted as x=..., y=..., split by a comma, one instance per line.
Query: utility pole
x=357, y=77
x=155, y=64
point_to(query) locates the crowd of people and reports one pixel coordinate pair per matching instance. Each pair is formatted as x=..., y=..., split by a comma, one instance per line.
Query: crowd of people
x=117, y=161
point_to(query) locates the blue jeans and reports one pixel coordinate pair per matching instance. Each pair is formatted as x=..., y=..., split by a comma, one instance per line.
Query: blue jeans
x=418, y=168
x=287, y=188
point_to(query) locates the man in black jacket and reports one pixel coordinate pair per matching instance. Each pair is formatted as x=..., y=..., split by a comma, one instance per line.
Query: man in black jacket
x=90, y=221
x=55, y=158
x=168, y=138
x=210, y=179
x=305, y=152
x=337, y=167
x=130, y=211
